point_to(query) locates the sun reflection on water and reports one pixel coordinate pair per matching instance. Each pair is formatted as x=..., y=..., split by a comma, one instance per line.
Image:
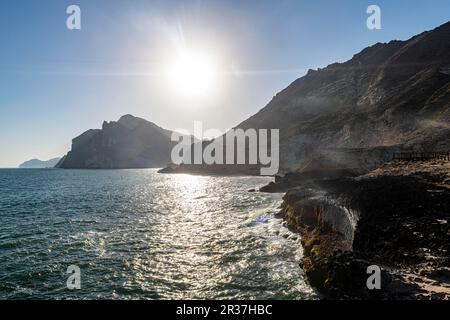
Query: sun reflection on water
x=160, y=236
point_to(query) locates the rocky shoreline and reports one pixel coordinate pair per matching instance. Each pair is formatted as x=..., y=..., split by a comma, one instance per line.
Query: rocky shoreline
x=395, y=217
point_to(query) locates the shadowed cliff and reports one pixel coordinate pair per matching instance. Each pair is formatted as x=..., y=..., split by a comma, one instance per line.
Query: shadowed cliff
x=130, y=142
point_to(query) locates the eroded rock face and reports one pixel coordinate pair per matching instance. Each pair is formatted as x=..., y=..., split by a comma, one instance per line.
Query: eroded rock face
x=326, y=229
x=314, y=209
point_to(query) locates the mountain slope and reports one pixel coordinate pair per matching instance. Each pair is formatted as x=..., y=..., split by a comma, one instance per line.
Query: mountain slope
x=392, y=95
x=130, y=142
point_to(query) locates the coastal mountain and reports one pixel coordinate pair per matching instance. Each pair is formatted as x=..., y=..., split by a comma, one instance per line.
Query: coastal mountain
x=39, y=164
x=130, y=142
x=394, y=95
x=389, y=97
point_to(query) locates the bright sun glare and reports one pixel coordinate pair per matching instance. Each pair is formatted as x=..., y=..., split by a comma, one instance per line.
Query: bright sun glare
x=192, y=74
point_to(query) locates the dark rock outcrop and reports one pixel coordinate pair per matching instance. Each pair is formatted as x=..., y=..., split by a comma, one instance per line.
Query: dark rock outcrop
x=397, y=217
x=130, y=142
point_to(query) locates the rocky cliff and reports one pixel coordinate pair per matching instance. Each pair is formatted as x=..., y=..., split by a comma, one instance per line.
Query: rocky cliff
x=396, y=217
x=130, y=142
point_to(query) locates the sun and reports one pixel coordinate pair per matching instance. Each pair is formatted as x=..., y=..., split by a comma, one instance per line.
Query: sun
x=192, y=74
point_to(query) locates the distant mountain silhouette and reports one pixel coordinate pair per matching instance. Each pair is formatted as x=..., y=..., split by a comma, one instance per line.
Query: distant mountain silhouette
x=130, y=142
x=36, y=163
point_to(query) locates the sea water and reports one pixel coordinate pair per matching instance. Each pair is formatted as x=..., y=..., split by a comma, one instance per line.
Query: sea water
x=137, y=234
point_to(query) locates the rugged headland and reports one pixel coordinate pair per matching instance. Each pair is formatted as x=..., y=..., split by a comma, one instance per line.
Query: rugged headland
x=396, y=217
x=130, y=142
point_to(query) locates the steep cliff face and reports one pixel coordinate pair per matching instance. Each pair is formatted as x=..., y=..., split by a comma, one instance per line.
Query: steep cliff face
x=390, y=95
x=395, y=217
x=128, y=143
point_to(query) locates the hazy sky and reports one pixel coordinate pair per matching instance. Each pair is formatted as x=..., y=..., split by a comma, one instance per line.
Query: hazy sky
x=56, y=83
